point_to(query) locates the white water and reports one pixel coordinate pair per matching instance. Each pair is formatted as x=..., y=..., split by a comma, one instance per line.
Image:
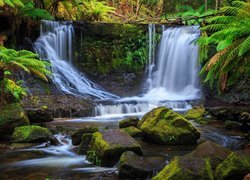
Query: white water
x=55, y=44
x=172, y=75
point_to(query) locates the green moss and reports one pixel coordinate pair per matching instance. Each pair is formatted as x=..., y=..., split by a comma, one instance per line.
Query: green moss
x=197, y=114
x=164, y=126
x=12, y=116
x=133, y=131
x=236, y=165
x=31, y=133
x=179, y=168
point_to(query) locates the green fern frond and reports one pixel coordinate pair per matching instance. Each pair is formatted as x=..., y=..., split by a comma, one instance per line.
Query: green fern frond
x=244, y=47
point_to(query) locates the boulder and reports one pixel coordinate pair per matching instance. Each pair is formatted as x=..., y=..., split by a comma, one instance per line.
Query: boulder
x=235, y=166
x=85, y=142
x=164, y=126
x=106, y=147
x=133, y=166
x=76, y=136
x=133, y=121
x=32, y=133
x=39, y=115
x=11, y=116
x=197, y=114
x=133, y=131
x=186, y=168
x=215, y=153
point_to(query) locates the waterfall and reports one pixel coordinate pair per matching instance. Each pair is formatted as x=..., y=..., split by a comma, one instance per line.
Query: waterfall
x=172, y=75
x=175, y=72
x=55, y=44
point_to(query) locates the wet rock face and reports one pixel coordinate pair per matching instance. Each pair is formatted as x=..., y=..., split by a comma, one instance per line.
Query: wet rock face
x=235, y=166
x=32, y=133
x=164, y=126
x=11, y=116
x=40, y=115
x=133, y=121
x=133, y=166
x=215, y=153
x=186, y=168
x=107, y=147
x=77, y=136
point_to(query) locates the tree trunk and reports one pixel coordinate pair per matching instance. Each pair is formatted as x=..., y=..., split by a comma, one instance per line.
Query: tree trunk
x=2, y=87
x=205, y=5
x=216, y=4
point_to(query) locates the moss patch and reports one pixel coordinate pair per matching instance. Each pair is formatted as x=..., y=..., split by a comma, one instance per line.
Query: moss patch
x=110, y=144
x=31, y=133
x=11, y=116
x=186, y=169
x=197, y=114
x=133, y=131
x=164, y=126
x=235, y=166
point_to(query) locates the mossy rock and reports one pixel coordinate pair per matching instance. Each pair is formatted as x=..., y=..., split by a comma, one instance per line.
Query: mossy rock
x=32, y=133
x=39, y=115
x=76, y=136
x=186, y=168
x=133, y=166
x=164, y=126
x=133, y=121
x=235, y=166
x=215, y=153
x=106, y=147
x=197, y=114
x=85, y=142
x=133, y=131
x=11, y=116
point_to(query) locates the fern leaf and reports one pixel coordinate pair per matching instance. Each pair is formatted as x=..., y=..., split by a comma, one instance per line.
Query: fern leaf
x=244, y=47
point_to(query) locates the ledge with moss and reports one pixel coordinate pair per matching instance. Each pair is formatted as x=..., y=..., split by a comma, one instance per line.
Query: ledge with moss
x=107, y=147
x=164, y=126
x=11, y=116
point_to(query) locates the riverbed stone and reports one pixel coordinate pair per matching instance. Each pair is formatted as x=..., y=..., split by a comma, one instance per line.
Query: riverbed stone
x=31, y=133
x=106, y=147
x=232, y=125
x=133, y=131
x=133, y=166
x=186, y=168
x=197, y=114
x=85, y=142
x=11, y=116
x=235, y=166
x=77, y=136
x=133, y=121
x=39, y=115
x=164, y=126
x=215, y=153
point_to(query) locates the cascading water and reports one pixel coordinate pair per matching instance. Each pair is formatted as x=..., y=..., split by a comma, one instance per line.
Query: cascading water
x=172, y=75
x=176, y=70
x=56, y=45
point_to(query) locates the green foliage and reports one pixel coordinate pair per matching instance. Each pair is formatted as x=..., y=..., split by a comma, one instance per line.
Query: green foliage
x=92, y=156
x=230, y=33
x=187, y=11
x=11, y=3
x=13, y=61
x=29, y=10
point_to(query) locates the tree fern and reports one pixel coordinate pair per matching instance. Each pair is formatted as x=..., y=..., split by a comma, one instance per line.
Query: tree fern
x=230, y=33
x=13, y=61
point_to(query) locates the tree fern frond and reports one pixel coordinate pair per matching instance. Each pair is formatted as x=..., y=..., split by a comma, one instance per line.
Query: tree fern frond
x=245, y=46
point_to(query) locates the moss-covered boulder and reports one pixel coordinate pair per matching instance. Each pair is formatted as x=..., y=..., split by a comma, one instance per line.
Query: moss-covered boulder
x=11, y=116
x=164, y=126
x=215, y=153
x=39, y=115
x=133, y=131
x=133, y=121
x=85, y=142
x=32, y=133
x=76, y=136
x=106, y=147
x=133, y=166
x=186, y=168
x=235, y=166
x=197, y=114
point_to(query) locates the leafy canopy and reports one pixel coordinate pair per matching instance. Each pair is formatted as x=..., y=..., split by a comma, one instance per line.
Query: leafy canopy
x=230, y=33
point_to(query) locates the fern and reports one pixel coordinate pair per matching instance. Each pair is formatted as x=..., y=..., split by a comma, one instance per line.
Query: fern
x=14, y=61
x=230, y=33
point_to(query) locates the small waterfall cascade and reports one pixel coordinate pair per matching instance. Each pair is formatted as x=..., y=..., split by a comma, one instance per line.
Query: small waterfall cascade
x=175, y=72
x=172, y=74
x=55, y=44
